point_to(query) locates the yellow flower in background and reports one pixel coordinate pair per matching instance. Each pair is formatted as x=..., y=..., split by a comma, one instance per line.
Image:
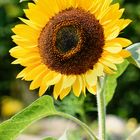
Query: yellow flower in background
x=69, y=44
x=10, y=106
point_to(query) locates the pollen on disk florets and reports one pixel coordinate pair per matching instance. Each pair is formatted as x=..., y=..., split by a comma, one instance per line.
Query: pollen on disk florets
x=71, y=42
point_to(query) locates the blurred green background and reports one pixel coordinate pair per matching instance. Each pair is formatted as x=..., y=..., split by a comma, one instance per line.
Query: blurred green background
x=14, y=93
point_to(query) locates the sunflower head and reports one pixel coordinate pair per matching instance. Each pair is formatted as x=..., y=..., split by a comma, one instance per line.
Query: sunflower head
x=69, y=44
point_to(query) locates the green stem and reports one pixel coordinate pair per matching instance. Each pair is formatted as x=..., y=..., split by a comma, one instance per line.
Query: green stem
x=83, y=125
x=133, y=135
x=101, y=110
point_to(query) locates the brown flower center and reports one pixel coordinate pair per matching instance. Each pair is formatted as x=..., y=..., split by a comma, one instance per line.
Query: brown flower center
x=71, y=42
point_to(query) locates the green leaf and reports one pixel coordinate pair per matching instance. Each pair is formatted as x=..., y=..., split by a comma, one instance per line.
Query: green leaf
x=135, y=51
x=111, y=81
x=25, y=0
x=49, y=138
x=41, y=108
x=22, y=0
x=64, y=136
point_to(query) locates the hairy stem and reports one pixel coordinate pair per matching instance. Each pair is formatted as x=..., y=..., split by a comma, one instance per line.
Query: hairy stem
x=101, y=109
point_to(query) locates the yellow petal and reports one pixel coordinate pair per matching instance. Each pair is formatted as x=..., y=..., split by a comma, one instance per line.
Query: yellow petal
x=52, y=78
x=83, y=84
x=95, y=6
x=17, y=61
x=122, y=41
x=125, y=53
x=55, y=80
x=36, y=71
x=37, y=80
x=31, y=24
x=112, y=33
x=37, y=17
x=63, y=4
x=108, y=19
x=91, y=89
x=87, y=5
x=28, y=61
x=24, y=42
x=77, y=86
x=108, y=63
x=44, y=84
x=99, y=69
x=108, y=70
x=112, y=10
x=19, y=52
x=43, y=89
x=113, y=59
x=49, y=8
x=26, y=32
x=58, y=88
x=124, y=23
x=24, y=72
x=113, y=47
x=68, y=81
x=103, y=9
x=65, y=92
x=74, y=3
x=91, y=77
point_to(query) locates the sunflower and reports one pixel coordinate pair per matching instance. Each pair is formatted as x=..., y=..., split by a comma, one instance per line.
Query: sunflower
x=68, y=44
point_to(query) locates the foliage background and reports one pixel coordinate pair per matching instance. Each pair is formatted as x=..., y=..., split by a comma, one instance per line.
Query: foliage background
x=15, y=93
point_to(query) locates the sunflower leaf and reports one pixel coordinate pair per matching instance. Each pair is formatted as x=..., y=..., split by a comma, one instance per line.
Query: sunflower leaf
x=22, y=0
x=135, y=51
x=39, y=109
x=25, y=0
x=49, y=138
x=111, y=81
x=64, y=136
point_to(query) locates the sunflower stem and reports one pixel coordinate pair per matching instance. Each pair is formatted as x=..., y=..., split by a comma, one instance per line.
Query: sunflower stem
x=134, y=134
x=101, y=109
x=85, y=127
